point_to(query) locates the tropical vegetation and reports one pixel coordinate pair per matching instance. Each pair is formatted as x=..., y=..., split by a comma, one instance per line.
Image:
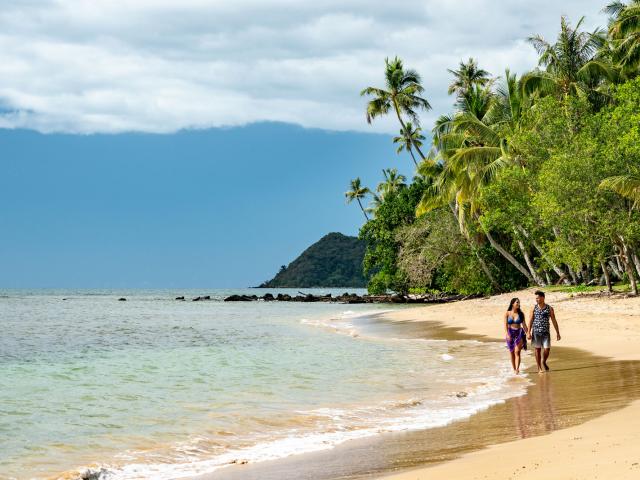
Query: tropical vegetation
x=529, y=180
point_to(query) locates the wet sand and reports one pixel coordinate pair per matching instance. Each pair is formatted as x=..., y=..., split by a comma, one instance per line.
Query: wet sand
x=602, y=447
x=580, y=388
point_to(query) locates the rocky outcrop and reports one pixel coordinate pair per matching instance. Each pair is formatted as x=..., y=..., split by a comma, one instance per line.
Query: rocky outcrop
x=352, y=298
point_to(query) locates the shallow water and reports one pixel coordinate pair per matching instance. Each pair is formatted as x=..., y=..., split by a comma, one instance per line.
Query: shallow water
x=579, y=387
x=156, y=388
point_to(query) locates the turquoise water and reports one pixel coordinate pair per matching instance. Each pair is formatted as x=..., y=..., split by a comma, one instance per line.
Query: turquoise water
x=157, y=388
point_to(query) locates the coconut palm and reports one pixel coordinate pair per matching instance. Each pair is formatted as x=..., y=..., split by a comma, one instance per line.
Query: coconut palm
x=393, y=182
x=471, y=149
x=571, y=65
x=376, y=201
x=627, y=186
x=409, y=138
x=402, y=94
x=467, y=76
x=357, y=192
x=624, y=32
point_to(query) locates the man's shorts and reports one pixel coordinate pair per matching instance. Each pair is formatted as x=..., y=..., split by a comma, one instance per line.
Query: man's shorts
x=541, y=340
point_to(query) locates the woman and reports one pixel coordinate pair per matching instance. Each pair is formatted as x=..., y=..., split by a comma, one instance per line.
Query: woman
x=516, y=332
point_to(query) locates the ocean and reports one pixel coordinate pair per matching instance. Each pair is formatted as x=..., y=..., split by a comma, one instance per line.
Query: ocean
x=154, y=388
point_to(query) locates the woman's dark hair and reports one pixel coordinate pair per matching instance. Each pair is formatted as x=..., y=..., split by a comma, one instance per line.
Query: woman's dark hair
x=510, y=309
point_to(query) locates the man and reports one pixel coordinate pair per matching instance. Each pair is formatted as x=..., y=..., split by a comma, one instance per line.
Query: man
x=539, y=333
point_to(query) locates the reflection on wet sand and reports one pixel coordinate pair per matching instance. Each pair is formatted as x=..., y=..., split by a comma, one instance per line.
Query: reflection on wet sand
x=579, y=387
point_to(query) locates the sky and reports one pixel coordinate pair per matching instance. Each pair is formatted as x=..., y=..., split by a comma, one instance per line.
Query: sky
x=166, y=143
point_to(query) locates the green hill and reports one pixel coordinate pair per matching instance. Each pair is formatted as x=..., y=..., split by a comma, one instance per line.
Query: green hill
x=333, y=261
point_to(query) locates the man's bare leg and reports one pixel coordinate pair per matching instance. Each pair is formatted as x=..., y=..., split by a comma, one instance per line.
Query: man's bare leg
x=547, y=351
x=538, y=360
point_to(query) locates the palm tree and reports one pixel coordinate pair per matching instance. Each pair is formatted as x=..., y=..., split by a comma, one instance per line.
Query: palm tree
x=471, y=148
x=376, y=201
x=627, y=186
x=393, y=182
x=357, y=192
x=409, y=137
x=402, y=95
x=624, y=32
x=443, y=191
x=467, y=75
x=571, y=65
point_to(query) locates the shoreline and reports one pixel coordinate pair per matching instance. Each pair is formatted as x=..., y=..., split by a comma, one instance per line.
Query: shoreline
x=585, y=386
x=600, y=447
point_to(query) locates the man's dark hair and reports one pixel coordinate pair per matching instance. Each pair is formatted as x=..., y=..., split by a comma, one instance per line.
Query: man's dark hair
x=540, y=293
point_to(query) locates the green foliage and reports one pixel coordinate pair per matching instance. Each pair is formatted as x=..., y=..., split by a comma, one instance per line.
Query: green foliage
x=395, y=211
x=334, y=261
x=529, y=181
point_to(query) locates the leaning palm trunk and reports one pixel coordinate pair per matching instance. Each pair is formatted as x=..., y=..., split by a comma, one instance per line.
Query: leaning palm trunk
x=615, y=269
x=363, y=210
x=636, y=262
x=574, y=278
x=532, y=270
x=510, y=258
x=484, y=267
x=605, y=273
x=559, y=271
x=626, y=259
x=413, y=157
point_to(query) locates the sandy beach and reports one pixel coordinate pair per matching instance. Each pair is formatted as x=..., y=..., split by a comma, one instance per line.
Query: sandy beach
x=603, y=447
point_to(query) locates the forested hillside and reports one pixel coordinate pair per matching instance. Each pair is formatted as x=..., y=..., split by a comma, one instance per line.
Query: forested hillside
x=334, y=261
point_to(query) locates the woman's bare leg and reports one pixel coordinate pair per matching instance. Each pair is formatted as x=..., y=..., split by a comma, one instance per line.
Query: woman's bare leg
x=517, y=357
x=513, y=360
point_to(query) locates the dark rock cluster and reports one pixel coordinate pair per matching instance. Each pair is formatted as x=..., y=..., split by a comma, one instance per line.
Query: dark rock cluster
x=351, y=298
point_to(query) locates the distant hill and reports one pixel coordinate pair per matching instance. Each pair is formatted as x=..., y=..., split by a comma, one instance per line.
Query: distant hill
x=333, y=261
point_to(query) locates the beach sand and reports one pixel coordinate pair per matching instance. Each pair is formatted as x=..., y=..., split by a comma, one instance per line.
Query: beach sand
x=602, y=447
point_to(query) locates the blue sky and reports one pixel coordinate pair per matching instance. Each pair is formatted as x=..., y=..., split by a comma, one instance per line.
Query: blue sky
x=197, y=143
x=208, y=208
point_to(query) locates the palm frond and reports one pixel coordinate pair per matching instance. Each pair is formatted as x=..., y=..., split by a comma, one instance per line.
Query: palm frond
x=627, y=186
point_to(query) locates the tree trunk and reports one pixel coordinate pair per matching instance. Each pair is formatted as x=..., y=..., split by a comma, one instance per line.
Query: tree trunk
x=626, y=259
x=586, y=274
x=363, y=210
x=559, y=270
x=546, y=274
x=605, y=272
x=615, y=270
x=413, y=157
x=619, y=261
x=636, y=262
x=500, y=249
x=573, y=275
x=485, y=268
x=532, y=270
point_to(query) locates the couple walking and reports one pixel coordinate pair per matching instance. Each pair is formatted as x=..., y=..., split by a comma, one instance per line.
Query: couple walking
x=517, y=331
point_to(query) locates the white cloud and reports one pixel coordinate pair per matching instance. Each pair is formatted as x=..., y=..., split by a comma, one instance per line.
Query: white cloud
x=161, y=65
